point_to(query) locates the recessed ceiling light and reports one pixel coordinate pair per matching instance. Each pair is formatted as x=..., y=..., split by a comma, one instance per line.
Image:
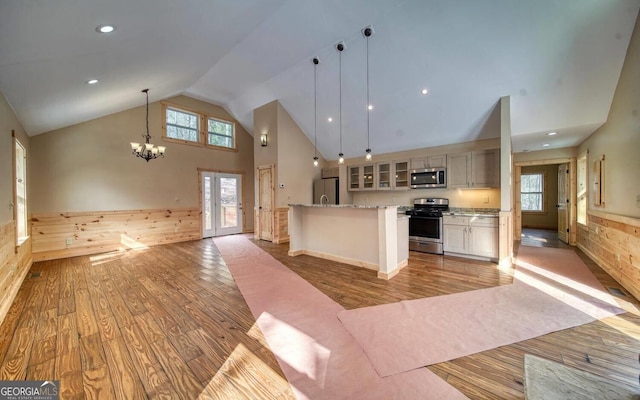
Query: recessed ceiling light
x=545, y=145
x=424, y=91
x=105, y=28
x=370, y=107
x=92, y=81
x=552, y=133
x=330, y=119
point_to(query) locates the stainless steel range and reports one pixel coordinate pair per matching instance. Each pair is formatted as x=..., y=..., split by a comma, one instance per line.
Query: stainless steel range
x=425, y=224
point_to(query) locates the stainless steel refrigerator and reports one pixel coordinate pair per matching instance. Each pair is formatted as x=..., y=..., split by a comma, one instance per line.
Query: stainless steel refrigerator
x=328, y=187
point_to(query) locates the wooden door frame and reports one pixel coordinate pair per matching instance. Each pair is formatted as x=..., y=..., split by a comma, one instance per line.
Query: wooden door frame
x=572, y=209
x=223, y=171
x=256, y=211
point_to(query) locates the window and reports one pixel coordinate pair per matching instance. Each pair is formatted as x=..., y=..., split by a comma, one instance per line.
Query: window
x=221, y=133
x=582, y=188
x=182, y=125
x=531, y=192
x=22, y=232
x=194, y=128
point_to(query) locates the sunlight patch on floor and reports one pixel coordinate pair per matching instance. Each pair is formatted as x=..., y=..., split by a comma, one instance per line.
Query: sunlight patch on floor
x=241, y=371
x=308, y=357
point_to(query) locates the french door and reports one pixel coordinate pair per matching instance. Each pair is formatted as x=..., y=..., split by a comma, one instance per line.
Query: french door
x=221, y=204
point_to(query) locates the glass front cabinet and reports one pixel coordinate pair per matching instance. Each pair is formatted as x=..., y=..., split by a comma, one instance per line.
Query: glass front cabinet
x=388, y=175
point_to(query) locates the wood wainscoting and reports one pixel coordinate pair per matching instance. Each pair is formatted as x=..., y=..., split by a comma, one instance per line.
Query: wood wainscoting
x=281, y=225
x=14, y=265
x=613, y=242
x=69, y=234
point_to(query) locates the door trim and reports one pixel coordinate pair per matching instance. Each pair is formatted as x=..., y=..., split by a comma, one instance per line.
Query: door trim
x=224, y=171
x=572, y=209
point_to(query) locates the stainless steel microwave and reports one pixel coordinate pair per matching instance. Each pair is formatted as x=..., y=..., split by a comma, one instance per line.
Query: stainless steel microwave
x=429, y=178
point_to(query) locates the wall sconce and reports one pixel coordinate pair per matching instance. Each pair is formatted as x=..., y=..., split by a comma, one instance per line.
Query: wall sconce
x=263, y=140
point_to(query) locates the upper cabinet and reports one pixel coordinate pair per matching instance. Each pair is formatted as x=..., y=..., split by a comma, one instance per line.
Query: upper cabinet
x=383, y=172
x=474, y=170
x=429, y=162
x=388, y=175
x=401, y=175
x=361, y=177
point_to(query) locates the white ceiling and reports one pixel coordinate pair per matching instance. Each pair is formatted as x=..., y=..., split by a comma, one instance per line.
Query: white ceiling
x=559, y=60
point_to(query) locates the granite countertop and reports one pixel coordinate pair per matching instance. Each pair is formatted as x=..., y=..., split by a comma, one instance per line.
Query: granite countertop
x=473, y=212
x=339, y=206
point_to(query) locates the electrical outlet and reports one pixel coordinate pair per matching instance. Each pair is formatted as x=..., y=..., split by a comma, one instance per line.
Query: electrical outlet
x=176, y=229
x=177, y=200
x=638, y=201
x=69, y=241
x=485, y=199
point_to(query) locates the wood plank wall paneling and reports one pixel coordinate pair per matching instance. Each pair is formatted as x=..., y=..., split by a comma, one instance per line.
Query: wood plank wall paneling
x=14, y=265
x=281, y=225
x=613, y=242
x=101, y=231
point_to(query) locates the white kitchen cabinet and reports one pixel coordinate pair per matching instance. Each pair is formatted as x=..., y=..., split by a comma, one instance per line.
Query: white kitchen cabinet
x=401, y=175
x=474, y=170
x=383, y=175
x=388, y=175
x=475, y=236
x=435, y=161
x=361, y=177
x=455, y=238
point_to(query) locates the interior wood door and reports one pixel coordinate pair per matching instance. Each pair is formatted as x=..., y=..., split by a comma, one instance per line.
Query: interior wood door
x=266, y=194
x=563, y=202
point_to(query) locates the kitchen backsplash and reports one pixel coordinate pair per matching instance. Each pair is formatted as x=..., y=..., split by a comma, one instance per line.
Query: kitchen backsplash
x=462, y=198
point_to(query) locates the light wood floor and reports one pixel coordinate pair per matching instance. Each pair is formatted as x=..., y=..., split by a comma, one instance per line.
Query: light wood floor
x=169, y=322
x=536, y=237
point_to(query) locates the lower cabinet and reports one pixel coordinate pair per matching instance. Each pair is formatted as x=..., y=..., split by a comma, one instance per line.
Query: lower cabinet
x=473, y=236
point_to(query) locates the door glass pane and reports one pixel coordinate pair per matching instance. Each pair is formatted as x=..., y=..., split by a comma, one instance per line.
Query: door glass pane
x=208, y=213
x=228, y=202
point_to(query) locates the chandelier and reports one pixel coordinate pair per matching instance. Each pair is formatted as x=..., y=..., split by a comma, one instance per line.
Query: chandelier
x=146, y=150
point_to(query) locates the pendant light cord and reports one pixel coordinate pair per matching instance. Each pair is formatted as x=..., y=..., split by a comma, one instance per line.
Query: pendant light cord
x=148, y=137
x=368, y=105
x=315, y=108
x=340, y=99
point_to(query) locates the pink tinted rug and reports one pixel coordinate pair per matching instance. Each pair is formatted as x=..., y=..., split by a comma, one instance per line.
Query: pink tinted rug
x=318, y=356
x=552, y=290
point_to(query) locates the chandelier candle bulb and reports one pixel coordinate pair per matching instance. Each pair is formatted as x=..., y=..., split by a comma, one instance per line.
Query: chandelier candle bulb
x=134, y=146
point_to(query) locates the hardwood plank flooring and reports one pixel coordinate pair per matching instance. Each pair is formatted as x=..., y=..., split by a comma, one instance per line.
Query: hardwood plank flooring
x=169, y=322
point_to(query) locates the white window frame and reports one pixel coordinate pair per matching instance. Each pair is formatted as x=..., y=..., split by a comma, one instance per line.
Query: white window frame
x=543, y=176
x=581, y=186
x=20, y=205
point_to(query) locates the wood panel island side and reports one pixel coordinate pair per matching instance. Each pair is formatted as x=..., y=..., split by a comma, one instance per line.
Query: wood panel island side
x=373, y=237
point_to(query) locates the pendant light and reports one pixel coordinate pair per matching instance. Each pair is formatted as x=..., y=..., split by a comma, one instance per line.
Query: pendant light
x=367, y=32
x=315, y=61
x=147, y=151
x=340, y=47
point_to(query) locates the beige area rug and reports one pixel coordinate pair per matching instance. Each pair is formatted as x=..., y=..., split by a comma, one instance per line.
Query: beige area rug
x=552, y=290
x=318, y=356
x=549, y=380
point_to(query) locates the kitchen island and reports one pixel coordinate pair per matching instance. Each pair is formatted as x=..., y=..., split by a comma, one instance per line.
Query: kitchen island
x=373, y=237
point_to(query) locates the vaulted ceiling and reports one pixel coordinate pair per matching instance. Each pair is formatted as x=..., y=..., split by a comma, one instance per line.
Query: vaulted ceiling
x=559, y=60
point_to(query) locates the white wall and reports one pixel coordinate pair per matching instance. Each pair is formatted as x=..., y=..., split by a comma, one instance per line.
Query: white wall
x=619, y=141
x=89, y=166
